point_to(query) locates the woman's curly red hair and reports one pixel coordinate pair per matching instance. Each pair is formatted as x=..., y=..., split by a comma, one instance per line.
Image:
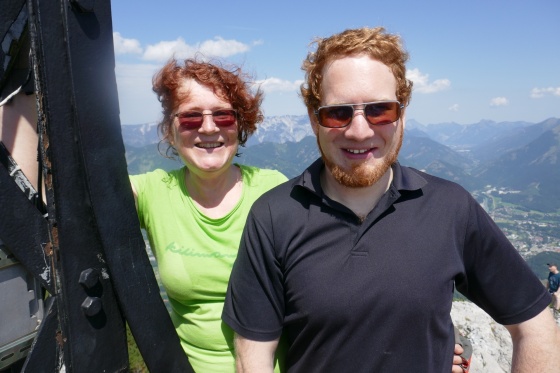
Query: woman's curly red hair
x=230, y=84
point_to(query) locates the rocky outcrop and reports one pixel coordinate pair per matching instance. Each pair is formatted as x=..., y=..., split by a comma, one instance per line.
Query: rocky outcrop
x=492, y=347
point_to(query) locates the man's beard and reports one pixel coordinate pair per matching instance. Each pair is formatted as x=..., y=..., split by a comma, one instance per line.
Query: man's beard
x=363, y=174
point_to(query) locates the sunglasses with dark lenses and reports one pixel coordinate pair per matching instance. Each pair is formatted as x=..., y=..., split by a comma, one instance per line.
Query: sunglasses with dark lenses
x=193, y=119
x=376, y=113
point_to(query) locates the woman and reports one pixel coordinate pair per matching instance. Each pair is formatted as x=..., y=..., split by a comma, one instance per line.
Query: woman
x=194, y=216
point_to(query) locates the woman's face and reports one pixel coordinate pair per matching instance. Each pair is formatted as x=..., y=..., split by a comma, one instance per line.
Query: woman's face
x=207, y=149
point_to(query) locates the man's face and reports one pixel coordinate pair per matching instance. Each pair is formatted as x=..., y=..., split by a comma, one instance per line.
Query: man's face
x=552, y=268
x=360, y=154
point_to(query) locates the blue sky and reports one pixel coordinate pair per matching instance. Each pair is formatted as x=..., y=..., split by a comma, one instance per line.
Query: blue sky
x=469, y=60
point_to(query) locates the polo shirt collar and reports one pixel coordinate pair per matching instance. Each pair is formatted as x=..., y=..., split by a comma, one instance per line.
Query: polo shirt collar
x=405, y=178
x=310, y=179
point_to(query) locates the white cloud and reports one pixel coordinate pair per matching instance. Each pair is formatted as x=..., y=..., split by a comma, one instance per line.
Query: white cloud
x=499, y=101
x=217, y=47
x=138, y=103
x=126, y=46
x=222, y=48
x=136, y=72
x=454, y=107
x=164, y=50
x=278, y=85
x=540, y=92
x=422, y=83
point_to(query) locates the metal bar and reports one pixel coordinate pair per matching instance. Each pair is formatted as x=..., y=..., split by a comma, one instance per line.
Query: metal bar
x=24, y=230
x=93, y=226
x=43, y=355
x=89, y=255
x=92, y=335
x=14, y=14
x=111, y=196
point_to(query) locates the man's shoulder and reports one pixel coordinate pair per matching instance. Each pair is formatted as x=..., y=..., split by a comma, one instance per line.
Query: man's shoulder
x=279, y=198
x=433, y=182
x=429, y=177
x=255, y=175
x=279, y=193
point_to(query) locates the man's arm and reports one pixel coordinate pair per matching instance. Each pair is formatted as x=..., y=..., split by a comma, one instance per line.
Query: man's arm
x=536, y=344
x=254, y=356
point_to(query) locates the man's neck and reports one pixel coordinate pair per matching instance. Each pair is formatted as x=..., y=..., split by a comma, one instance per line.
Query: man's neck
x=360, y=200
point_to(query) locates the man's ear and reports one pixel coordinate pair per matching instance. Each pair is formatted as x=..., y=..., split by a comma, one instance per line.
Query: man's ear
x=313, y=120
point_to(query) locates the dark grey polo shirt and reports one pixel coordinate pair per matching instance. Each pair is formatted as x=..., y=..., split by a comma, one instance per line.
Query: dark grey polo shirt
x=373, y=296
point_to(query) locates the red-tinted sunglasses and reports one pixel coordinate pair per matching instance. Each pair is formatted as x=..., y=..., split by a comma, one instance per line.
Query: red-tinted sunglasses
x=376, y=113
x=192, y=119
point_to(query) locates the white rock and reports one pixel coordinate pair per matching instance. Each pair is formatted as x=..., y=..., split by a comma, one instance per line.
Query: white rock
x=492, y=347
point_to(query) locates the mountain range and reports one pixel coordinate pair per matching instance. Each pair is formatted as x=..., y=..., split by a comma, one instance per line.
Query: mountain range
x=520, y=159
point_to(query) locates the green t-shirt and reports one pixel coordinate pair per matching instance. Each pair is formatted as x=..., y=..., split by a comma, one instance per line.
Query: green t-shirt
x=195, y=255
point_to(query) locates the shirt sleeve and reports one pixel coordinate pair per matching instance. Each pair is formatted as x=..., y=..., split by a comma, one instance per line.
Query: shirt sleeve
x=254, y=305
x=139, y=181
x=554, y=283
x=497, y=278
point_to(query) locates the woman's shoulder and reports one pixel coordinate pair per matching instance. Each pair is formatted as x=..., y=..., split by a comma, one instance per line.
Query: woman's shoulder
x=256, y=173
x=261, y=178
x=157, y=177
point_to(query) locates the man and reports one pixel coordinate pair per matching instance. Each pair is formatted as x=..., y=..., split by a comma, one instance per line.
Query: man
x=553, y=285
x=327, y=258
